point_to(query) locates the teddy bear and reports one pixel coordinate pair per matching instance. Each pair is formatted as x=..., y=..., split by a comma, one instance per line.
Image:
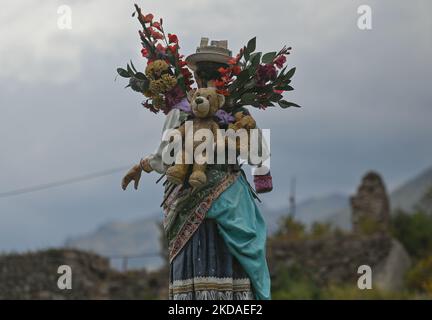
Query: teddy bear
x=205, y=102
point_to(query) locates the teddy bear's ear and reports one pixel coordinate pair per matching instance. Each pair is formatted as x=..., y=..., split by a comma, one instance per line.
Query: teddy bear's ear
x=190, y=94
x=221, y=99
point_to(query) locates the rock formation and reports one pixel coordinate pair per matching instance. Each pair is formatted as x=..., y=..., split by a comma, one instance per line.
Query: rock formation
x=370, y=206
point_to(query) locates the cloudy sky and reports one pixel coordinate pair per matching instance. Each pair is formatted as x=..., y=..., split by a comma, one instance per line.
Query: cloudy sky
x=366, y=98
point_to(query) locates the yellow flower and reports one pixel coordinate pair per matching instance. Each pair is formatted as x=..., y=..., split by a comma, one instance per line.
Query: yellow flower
x=169, y=81
x=154, y=70
x=158, y=101
x=156, y=86
x=162, y=85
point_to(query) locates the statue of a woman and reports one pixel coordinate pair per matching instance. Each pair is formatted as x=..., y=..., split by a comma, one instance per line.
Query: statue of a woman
x=216, y=234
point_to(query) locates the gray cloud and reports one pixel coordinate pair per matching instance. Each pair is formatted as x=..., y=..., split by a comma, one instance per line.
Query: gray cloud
x=365, y=95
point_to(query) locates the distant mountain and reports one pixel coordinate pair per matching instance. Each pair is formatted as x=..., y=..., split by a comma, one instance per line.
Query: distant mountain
x=141, y=237
x=411, y=193
x=308, y=211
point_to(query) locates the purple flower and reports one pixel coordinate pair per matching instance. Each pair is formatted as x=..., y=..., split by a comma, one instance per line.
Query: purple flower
x=183, y=105
x=224, y=117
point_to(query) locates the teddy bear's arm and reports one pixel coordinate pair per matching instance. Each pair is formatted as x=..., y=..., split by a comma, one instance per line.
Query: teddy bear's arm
x=182, y=130
x=247, y=122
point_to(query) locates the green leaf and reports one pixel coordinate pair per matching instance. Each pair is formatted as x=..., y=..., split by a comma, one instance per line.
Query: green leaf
x=130, y=71
x=243, y=76
x=123, y=73
x=250, y=84
x=255, y=59
x=246, y=54
x=285, y=104
x=275, y=97
x=268, y=57
x=251, y=45
x=133, y=67
x=289, y=74
x=284, y=87
x=248, y=98
x=140, y=75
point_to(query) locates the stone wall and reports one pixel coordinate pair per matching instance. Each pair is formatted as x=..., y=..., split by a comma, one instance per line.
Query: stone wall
x=34, y=276
x=332, y=259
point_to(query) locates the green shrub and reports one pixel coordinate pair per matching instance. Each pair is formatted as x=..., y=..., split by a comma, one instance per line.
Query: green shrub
x=419, y=278
x=294, y=283
x=352, y=292
x=414, y=231
x=291, y=229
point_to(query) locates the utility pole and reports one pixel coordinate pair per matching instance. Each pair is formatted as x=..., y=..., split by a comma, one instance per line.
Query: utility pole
x=292, y=202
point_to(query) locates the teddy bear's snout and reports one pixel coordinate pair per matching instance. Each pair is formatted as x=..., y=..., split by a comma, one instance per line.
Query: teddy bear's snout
x=199, y=100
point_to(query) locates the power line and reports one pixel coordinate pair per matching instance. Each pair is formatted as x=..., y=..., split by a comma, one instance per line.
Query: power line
x=59, y=183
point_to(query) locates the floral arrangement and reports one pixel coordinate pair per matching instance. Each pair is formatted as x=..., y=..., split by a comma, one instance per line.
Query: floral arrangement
x=251, y=78
x=166, y=79
x=256, y=79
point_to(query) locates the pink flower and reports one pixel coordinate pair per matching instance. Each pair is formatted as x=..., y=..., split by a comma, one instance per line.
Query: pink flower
x=280, y=61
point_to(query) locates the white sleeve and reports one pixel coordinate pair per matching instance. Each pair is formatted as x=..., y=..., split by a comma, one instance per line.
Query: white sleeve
x=263, y=152
x=172, y=121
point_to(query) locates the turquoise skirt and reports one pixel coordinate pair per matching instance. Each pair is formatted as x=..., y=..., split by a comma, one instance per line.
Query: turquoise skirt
x=243, y=229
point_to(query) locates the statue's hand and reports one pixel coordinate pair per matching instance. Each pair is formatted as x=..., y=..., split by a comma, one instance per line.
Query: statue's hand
x=133, y=174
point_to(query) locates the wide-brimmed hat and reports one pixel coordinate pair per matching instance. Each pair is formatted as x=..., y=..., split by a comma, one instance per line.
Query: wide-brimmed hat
x=217, y=51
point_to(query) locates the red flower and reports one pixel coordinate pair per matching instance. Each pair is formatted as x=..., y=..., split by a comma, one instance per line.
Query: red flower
x=144, y=52
x=160, y=48
x=157, y=25
x=280, y=61
x=219, y=83
x=182, y=63
x=185, y=72
x=223, y=71
x=236, y=70
x=173, y=48
x=278, y=91
x=224, y=92
x=148, y=18
x=172, y=38
x=232, y=61
x=156, y=35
